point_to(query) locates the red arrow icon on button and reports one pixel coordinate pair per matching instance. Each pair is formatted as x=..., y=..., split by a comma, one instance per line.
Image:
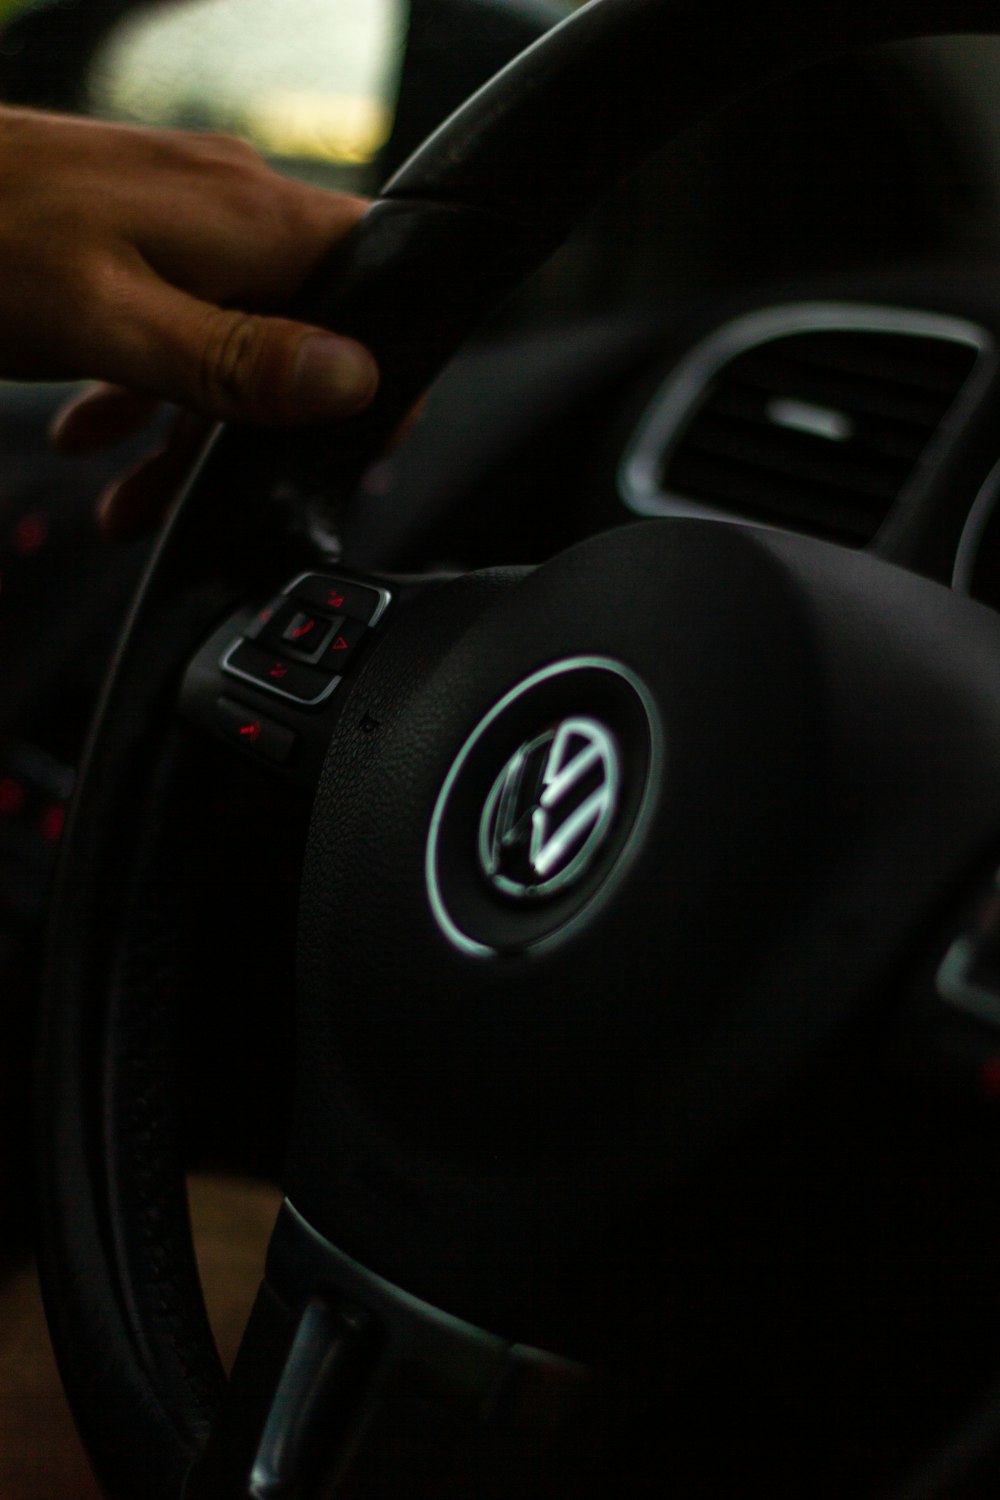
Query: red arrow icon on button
x=339, y=644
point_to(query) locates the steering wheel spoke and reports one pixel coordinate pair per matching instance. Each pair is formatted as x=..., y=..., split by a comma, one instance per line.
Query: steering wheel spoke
x=346, y=1382
x=941, y=1041
x=292, y=1403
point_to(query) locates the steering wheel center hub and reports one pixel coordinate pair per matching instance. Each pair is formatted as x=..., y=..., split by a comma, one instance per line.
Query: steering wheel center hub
x=587, y=785
x=519, y=855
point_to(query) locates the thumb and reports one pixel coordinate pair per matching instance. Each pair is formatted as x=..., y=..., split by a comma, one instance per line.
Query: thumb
x=245, y=367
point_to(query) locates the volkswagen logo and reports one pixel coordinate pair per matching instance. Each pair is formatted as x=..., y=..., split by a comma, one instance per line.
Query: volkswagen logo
x=544, y=808
x=550, y=810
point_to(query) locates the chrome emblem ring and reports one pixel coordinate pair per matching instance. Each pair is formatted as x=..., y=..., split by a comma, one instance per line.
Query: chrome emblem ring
x=550, y=810
x=544, y=809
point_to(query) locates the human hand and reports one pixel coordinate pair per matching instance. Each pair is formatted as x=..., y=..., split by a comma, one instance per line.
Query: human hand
x=153, y=261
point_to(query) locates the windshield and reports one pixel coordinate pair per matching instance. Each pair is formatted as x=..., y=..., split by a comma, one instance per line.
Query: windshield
x=309, y=83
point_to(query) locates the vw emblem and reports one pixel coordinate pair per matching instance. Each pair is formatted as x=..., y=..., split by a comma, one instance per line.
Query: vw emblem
x=550, y=810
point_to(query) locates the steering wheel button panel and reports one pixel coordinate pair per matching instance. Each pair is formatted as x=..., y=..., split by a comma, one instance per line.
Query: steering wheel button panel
x=339, y=596
x=287, y=679
x=259, y=735
x=291, y=651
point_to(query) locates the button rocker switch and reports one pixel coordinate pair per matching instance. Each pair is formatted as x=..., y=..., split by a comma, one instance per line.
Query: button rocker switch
x=342, y=645
x=338, y=596
x=262, y=737
x=285, y=678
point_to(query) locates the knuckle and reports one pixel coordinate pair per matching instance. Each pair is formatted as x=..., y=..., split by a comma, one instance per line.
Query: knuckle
x=230, y=363
x=319, y=212
x=103, y=295
x=291, y=220
x=227, y=148
x=244, y=183
x=227, y=167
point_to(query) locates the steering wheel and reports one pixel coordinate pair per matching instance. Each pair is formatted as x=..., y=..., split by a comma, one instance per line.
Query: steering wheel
x=644, y=976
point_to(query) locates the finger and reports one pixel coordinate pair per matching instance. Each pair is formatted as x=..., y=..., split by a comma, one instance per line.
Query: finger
x=137, y=501
x=99, y=417
x=241, y=235
x=238, y=366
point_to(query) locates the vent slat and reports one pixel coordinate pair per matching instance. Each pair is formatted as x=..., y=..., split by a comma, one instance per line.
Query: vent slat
x=761, y=497
x=815, y=430
x=797, y=455
x=854, y=393
x=903, y=441
x=940, y=365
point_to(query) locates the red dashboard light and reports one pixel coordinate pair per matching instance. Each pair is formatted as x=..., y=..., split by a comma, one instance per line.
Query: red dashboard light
x=12, y=796
x=989, y=1078
x=52, y=822
x=31, y=532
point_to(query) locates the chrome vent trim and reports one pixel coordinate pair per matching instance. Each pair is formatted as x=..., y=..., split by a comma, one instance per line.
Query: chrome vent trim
x=689, y=389
x=967, y=552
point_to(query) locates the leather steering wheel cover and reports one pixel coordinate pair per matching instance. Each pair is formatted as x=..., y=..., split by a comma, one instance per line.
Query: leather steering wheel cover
x=549, y=133
x=519, y=162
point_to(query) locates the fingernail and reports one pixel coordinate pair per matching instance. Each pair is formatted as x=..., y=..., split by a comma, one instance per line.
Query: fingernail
x=332, y=376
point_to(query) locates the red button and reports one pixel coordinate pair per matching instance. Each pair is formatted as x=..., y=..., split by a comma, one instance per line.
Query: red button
x=305, y=633
x=263, y=737
x=338, y=596
x=292, y=679
x=343, y=644
x=302, y=629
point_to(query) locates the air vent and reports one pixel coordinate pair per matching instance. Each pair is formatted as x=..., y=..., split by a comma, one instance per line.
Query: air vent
x=813, y=418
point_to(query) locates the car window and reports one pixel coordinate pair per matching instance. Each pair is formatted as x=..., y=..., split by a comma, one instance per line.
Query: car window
x=13, y=7
x=310, y=83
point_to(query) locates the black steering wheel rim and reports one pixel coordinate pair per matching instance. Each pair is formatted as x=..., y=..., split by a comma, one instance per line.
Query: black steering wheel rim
x=474, y=210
